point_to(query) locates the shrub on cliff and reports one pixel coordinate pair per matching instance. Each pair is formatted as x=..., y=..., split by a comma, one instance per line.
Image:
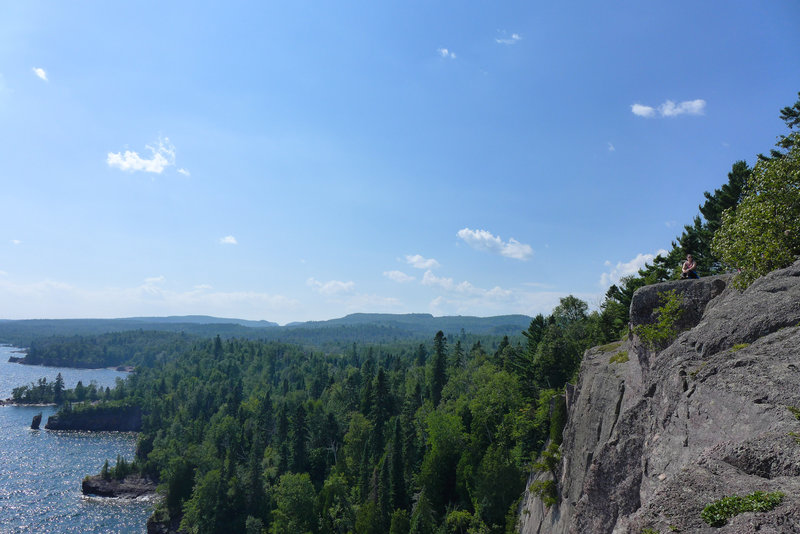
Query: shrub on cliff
x=660, y=333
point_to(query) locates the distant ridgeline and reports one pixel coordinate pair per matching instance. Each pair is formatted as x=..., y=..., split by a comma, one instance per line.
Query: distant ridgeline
x=94, y=343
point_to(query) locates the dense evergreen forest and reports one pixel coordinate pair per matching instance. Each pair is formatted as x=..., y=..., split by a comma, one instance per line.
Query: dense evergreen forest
x=248, y=435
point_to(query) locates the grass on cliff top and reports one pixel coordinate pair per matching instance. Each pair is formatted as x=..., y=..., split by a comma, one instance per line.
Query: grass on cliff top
x=620, y=357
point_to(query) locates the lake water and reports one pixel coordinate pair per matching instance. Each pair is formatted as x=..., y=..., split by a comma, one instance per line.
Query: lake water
x=41, y=470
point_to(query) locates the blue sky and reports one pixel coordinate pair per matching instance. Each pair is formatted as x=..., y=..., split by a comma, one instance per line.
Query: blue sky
x=304, y=160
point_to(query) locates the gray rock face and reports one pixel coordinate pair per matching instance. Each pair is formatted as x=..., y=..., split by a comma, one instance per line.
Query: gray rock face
x=651, y=441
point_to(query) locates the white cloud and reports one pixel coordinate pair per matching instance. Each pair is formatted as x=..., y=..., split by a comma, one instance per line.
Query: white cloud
x=203, y=287
x=445, y=53
x=643, y=111
x=16, y=242
x=466, y=288
x=484, y=240
x=398, y=276
x=670, y=224
x=163, y=156
x=418, y=262
x=228, y=240
x=184, y=172
x=40, y=73
x=628, y=268
x=332, y=287
x=671, y=109
x=611, y=147
x=687, y=107
x=508, y=40
x=3, y=273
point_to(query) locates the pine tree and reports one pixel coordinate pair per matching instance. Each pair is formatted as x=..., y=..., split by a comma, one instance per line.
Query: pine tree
x=439, y=367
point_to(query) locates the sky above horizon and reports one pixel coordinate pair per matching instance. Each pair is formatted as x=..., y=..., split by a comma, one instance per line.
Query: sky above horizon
x=305, y=160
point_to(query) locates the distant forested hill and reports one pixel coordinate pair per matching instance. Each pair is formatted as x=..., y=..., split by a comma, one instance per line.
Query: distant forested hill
x=142, y=341
x=355, y=328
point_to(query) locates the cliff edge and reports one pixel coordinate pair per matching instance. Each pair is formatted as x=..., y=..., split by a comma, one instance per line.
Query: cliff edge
x=652, y=437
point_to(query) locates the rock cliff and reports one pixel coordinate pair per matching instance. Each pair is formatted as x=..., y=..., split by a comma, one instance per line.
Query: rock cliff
x=654, y=436
x=96, y=418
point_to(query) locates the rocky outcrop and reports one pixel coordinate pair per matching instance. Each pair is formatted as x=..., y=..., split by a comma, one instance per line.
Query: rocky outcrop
x=649, y=442
x=97, y=418
x=161, y=523
x=130, y=487
x=37, y=420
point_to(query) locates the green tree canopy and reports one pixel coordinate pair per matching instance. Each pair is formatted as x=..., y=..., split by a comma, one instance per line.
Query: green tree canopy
x=763, y=232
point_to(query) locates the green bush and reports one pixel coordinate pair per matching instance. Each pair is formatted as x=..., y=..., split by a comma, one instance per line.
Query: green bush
x=659, y=334
x=718, y=512
x=546, y=491
x=549, y=459
x=739, y=346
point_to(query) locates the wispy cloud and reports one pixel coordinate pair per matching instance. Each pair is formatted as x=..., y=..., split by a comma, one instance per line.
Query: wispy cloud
x=484, y=240
x=508, y=39
x=611, y=147
x=332, y=287
x=153, y=296
x=418, y=262
x=228, y=240
x=162, y=156
x=16, y=242
x=39, y=72
x=670, y=109
x=184, y=172
x=627, y=268
x=398, y=276
x=445, y=53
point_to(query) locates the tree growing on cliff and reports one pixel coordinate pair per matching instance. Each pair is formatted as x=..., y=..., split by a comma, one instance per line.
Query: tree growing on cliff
x=763, y=232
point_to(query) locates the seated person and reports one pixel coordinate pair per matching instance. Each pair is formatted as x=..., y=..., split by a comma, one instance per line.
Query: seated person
x=689, y=268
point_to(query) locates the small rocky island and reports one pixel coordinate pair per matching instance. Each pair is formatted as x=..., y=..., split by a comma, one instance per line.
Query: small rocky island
x=130, y=487
x=98, y=418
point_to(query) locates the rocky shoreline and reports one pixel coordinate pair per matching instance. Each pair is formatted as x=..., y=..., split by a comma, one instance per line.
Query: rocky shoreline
x=130, y=487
